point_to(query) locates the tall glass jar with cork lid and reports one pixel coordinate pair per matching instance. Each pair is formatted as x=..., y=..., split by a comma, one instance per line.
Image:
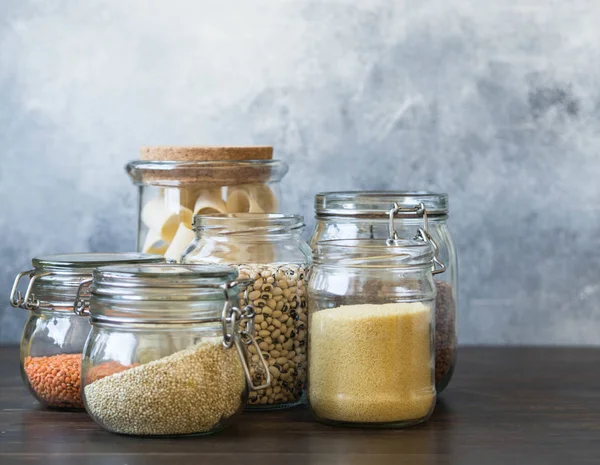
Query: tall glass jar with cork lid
x=371, y=318
x=366, y=214
x=268, y=249
x=176, y=183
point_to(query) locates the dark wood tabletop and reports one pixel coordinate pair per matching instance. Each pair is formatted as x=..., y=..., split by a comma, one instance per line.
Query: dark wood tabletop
x=504, y=406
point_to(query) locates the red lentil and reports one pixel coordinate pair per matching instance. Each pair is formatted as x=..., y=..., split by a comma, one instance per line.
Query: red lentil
x=106, y=369
x=56, y=380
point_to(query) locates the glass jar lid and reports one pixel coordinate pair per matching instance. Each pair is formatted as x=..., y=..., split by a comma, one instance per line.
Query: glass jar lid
x=54, y=279
x=216, y=173
x=161, y=282
x=248, y=223
x=374, y=253
x=377, y=204
x=84, y=263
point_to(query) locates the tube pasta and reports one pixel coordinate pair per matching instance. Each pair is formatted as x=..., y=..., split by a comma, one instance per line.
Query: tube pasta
x=156, y=216
x=252, y=198
x=189, y=195
x=238, y=201
x=263, y=199
x=154, y=243
x=183, y=237
x=209, y=205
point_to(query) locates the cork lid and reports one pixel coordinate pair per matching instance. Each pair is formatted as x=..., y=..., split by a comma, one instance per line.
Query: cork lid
x=205, y=153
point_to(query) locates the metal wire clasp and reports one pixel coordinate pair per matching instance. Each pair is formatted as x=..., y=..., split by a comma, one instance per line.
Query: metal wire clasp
x=238, y=329
x=81, y=305
x=419, y=210
x=422, y=233
x=438, y=266
x=27, y=302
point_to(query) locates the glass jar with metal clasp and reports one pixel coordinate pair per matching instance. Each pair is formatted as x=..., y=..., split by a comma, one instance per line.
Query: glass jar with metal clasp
x=53, y=337
x=160, y=358
x=371, y=320
x=366, y=214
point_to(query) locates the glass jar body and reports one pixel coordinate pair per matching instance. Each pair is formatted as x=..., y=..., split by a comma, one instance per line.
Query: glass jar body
x=51, y=350
x=371, y=346
x=170, y=193
x=162, y=380
x=328, y=228
x=278, y=265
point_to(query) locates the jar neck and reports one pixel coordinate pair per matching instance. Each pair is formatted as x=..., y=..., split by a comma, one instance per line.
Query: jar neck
x=249, y=236
x=402, y=255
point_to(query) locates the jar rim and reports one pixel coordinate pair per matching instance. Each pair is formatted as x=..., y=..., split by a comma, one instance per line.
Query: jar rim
x=211, y=172
x=248, y=223
x=377, y=204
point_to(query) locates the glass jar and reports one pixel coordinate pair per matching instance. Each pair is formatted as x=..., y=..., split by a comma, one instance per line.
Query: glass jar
x=53, y=337
x=371, y=316
x=160, y=358
x=171, y=192
x=353, y=215
x=268, y=249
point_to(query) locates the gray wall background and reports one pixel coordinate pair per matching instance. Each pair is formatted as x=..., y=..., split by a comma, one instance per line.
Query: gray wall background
x=496, y=102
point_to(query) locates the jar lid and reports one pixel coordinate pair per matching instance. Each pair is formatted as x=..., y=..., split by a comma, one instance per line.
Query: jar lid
x=206, y=153
x=248, y=223
x=166, y=293
x=84, y=263
x=374, y=253
x=377, y=204
x=113, y=280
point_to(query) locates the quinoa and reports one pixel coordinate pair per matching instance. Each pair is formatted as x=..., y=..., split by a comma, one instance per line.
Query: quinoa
x=190, y=391
x=371, y=363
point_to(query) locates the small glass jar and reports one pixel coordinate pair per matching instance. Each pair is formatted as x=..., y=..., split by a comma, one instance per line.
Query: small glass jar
x=371, y=317
x=165, y=356
x=268, y=249
x=172, y=192
x=354, y=215
x=53, y=337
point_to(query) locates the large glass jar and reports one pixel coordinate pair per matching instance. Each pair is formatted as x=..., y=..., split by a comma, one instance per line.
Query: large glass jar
x=353, y=215
x=53, y=337
x=176, y=183
x=268, y=249
x=165, y=356
x=371, y=316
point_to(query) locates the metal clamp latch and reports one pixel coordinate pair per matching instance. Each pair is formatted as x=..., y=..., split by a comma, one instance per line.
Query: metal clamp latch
x=27, y=302
x=81, y=305
x=422, y=233
x=238, y=329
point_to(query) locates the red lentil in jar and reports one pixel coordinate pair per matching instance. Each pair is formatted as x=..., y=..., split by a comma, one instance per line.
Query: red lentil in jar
x=55, y=380
x=54, y=335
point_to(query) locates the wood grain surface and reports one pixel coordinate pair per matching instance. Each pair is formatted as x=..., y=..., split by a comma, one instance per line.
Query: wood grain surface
x=504, y=406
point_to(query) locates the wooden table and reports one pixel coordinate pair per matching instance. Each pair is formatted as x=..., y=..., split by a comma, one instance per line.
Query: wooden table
x=504, y=406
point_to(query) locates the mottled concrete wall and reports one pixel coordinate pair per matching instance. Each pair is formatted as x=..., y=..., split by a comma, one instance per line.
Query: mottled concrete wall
x=497, y=103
